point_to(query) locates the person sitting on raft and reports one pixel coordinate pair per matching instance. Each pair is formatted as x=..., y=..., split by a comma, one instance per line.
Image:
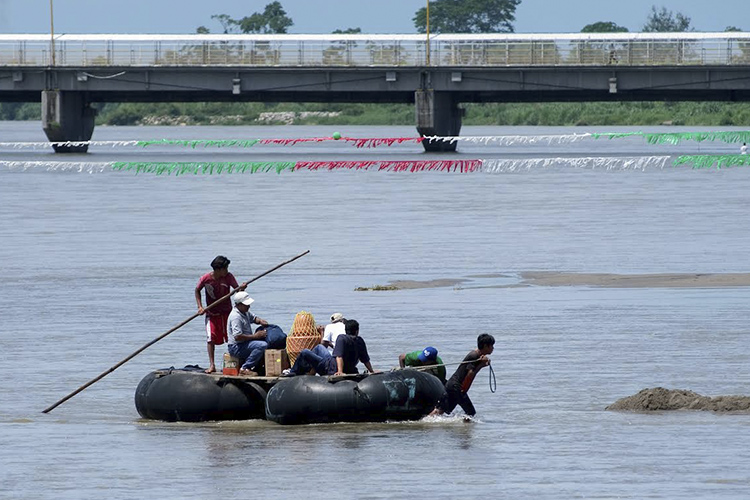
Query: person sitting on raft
x=243, y=344
x=333, y=330
x=426, y=357
x=350, y=349
x=458, y=386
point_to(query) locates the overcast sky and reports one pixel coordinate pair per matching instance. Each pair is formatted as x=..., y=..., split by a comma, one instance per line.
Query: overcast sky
x=324, y=16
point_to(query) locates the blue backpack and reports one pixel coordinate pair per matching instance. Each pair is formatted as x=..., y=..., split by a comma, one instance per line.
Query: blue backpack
x=275, y=337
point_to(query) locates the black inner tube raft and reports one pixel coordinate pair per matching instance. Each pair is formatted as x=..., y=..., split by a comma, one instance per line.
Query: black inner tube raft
x=397, y=395
x=192, y=396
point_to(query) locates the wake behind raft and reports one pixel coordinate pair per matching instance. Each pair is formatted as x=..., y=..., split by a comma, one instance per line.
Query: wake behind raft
x=189, y=395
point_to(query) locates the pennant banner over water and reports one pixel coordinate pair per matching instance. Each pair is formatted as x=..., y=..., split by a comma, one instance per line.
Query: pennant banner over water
x=367, y=142
x=670, y=138
x=495, y=165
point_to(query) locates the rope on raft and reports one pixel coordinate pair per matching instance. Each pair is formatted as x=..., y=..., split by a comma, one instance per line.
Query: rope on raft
x=493, y=378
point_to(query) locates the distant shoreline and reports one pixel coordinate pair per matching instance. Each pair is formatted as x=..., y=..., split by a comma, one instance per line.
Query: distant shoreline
x=488, y=114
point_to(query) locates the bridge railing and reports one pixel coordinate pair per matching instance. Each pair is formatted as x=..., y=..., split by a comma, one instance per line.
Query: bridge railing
x=496, y=50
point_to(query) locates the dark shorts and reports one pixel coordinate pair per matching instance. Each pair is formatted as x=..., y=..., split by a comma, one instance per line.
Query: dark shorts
x=453, y=397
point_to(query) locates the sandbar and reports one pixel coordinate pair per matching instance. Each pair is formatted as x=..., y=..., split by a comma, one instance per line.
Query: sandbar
x=663, y=280
x=661, y=399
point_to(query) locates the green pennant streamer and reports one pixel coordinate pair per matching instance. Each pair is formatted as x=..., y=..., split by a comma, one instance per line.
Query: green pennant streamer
x=674, y=138
x=708, y=161
x=228, y=143
x=614, y=135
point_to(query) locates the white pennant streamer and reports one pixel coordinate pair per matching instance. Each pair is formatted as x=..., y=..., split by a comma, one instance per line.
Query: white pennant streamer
x=47, y=145
x=605, y=163
x=61, y=166
x=510, y=140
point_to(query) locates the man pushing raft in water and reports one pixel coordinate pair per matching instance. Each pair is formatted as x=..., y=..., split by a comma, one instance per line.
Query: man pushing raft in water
x=457, y=387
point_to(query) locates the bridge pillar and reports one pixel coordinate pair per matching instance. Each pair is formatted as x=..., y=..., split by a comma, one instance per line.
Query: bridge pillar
x=67, y=116
x=437, y=113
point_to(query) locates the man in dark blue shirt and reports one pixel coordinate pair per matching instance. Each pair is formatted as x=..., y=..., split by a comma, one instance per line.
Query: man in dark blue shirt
x=351, y=349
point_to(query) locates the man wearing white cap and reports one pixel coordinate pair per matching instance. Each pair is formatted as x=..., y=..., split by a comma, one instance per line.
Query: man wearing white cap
x=243, y=343
x=333, y=330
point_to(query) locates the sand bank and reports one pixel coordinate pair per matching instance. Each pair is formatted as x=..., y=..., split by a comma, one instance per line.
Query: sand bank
x=661, y=399
x=682, y=280
x=555, y=278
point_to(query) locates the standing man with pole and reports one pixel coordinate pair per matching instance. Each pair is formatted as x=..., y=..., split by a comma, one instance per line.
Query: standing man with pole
x=217, y=283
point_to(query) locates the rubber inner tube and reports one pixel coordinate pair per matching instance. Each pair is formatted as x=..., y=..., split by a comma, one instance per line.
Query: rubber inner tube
x=190, y=396
x=397, y=395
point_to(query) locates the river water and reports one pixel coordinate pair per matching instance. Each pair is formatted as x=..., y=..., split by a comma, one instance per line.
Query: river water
x=96, y=265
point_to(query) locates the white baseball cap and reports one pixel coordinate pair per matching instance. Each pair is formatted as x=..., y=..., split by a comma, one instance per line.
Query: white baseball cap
x=336, y=317
x=242, y=298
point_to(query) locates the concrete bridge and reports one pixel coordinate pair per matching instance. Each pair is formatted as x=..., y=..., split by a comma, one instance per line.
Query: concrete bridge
x=70, y=72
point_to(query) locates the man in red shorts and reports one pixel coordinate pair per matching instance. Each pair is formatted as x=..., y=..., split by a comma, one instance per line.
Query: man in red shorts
x=217, y=283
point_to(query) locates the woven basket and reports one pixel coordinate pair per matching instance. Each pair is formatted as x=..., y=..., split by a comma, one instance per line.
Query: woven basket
x=303, y=335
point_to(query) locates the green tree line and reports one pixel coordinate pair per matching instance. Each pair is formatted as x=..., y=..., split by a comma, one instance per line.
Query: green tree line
x=454, y=16
x=517, y=114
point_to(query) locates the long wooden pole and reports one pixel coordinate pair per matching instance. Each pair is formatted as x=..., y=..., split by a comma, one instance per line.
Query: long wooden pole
x=157, y=339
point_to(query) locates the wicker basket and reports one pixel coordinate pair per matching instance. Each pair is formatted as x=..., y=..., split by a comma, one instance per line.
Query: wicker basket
x=303, y=335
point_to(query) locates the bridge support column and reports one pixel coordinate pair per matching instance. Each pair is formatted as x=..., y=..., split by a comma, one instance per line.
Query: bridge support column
x=437, y=113
x=66, y=116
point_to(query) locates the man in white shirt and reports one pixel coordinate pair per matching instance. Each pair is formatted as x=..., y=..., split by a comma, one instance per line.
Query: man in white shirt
x=333, y=330
x=743, y=148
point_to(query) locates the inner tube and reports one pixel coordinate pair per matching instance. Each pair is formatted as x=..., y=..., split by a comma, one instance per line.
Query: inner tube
x=398, y=395
x=192, y=396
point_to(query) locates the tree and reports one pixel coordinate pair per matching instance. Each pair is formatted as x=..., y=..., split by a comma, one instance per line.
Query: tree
x=732, y=29
x=467, y=16
x=604, y=27
x=202, y=30
x=273, y=19
x=348, y=31
x=663, y=20
x=228, y=24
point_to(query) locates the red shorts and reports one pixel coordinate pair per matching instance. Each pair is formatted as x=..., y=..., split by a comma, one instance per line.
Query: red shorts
x=216, y=328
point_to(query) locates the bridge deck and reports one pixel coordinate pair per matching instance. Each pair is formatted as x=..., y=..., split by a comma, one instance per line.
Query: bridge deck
x=390, y=51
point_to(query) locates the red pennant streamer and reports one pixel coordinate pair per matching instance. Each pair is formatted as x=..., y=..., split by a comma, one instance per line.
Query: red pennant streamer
x=358, y=143
x=464, y=166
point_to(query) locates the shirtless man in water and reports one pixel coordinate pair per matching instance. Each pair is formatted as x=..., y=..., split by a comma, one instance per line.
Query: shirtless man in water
x=458, y=385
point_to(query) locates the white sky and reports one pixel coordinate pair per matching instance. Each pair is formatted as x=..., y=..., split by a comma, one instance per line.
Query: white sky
x=324, y=16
